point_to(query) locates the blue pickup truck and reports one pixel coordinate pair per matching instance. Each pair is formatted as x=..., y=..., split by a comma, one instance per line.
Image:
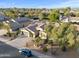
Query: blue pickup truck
x=25, y=52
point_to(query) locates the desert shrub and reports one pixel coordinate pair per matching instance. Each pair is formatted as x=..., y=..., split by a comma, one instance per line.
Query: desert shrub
x=45, y=49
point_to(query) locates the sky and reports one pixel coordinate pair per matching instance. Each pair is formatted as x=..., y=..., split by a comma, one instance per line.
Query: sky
x=38, y=3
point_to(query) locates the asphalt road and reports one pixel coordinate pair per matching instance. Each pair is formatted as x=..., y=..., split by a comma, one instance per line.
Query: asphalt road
x=7, y=51
x=10, y=49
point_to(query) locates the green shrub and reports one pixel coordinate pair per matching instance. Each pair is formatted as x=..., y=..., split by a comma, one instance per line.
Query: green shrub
x=45, y=49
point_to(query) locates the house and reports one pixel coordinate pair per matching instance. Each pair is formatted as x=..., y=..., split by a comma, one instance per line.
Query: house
x=74, y=19
x=3, y=18
x=41, y=29
x=36, y=29
x=25, y=32
x=14, y=25
x=32, y=30
x=42, y=33
x=61, y=15
x=18, y=23
x=63, y=18
x=24, y=21
x=70, y=18
x=72, y=13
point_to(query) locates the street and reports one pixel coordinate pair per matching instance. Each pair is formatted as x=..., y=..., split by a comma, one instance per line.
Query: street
x=11, y=50
x=8, y=51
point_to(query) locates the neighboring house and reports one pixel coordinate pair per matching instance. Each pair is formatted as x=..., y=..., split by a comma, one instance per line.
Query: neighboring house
x=69, y=18
x=3, y=18
x=19, y=23
x=36, y=30
x=61, y=15
x=41, y=28
x=14, y=25
x=42, y=33
x=63, y=18
x=24, y=21
x=32, y=30
x=74, y=19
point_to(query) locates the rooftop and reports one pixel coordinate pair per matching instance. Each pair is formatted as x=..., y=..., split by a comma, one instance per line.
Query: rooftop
x=74, y=18
x=14, y=25
x=23, y=19
x=3, y=18
x=33, y=28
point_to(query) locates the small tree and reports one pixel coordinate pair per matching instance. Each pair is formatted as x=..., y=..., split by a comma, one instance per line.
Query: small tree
x=45, y=49
x=54, y=15
x=65, y=35
x=37, y=41
x=70, y=37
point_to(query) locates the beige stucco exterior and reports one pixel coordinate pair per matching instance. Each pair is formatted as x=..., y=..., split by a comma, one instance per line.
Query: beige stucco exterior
x=38, y=28
x=26, y=33
x=42, y=35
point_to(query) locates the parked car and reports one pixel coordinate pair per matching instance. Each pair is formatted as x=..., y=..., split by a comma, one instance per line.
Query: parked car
x=25, y=52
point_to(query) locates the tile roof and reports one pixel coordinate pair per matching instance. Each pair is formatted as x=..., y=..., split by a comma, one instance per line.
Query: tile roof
x=3, y=18
x=14, y=25
x=33, y=28
x=23, y=19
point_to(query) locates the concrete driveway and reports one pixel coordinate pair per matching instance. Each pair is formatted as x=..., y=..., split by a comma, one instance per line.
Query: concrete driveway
x=3, y=31
x=19, y=42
